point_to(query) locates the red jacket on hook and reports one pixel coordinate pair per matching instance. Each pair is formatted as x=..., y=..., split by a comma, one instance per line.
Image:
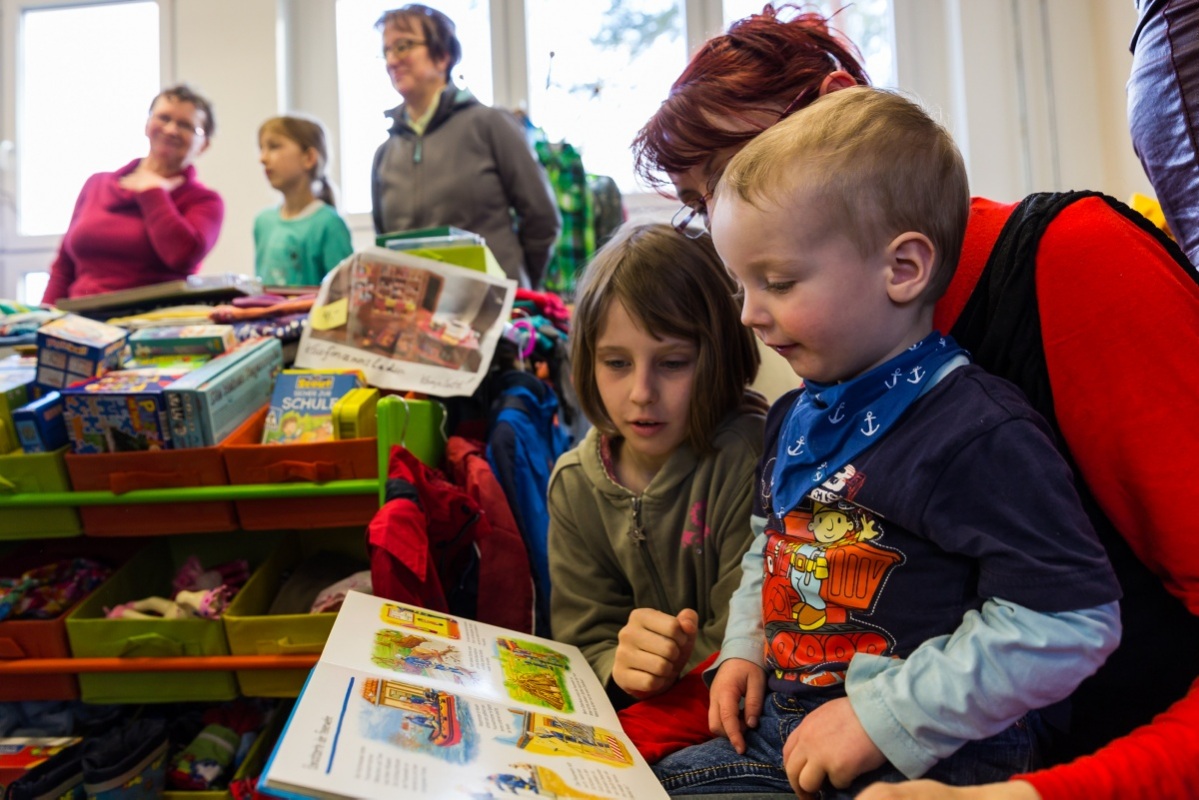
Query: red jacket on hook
x=432, y=545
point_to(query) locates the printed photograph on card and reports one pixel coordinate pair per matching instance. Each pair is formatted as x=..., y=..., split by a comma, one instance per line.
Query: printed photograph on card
x=410, y=323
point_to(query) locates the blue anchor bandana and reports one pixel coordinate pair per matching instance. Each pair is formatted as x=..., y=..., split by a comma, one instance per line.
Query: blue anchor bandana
x=830, y=424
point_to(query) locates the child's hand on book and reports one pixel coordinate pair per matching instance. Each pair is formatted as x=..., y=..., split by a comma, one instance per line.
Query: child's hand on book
x=829, y=743
x=652, y=649
x=736, y=679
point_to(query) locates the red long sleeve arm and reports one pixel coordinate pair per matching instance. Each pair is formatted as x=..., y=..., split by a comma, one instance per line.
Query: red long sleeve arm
x=1120, y=325
x=182, y=235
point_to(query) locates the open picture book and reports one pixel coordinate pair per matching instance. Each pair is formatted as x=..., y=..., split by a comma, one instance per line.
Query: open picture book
x=412, y=703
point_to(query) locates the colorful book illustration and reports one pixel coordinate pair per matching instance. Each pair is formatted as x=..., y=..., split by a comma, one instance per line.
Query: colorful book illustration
x=408, y=702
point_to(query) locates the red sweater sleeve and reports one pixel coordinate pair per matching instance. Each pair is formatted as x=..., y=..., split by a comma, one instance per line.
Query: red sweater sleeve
x=182, y=226
x=1120, y=325
x=62, y=271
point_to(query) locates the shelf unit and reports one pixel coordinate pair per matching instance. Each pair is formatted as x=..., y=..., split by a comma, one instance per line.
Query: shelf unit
x=417, y=427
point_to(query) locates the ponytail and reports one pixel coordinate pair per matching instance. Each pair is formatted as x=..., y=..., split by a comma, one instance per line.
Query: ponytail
x=326, y=192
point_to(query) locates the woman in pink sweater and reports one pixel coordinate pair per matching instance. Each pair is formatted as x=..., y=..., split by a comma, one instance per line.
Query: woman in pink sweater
x=150, y=221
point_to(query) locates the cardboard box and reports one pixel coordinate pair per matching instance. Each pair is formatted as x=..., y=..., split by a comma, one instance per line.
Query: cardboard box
x=207, y=403
x=120, y=412
x=182, y=340
x=302, y=404
x=41, y=425
x=72, y=348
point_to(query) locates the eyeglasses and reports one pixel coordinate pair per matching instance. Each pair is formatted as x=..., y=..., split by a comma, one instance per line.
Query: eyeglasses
x=184, y=126
x=682, y=219
x=399, y=47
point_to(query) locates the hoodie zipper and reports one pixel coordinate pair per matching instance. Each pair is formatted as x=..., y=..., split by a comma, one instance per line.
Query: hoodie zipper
x=637, y=534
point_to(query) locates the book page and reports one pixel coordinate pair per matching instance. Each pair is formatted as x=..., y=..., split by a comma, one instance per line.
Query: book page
x=412, y=703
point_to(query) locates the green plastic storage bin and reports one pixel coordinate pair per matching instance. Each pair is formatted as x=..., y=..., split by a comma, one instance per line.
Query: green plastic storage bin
x=252, y=631
x=35, y=473
x=149, y=574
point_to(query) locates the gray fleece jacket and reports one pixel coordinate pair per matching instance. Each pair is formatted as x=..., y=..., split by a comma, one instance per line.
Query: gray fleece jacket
x=473, y=168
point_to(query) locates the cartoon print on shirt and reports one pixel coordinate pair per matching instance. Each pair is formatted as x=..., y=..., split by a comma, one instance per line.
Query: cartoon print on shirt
x=823, y=573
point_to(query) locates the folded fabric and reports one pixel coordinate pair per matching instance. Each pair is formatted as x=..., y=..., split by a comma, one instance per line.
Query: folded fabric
x=128, y=763
x=331, y=597
x=312, y=575
x=677, y=718
x=46, y=591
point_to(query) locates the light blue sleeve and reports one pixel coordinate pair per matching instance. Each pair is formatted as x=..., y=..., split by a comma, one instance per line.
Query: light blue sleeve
x=743, y=633
x=1002, y=662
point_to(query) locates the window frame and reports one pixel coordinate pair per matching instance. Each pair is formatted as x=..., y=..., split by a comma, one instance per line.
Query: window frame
x=21, y=254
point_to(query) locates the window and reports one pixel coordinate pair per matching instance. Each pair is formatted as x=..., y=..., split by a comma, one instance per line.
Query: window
x=866, y=23
x=596, y=76
x=365, y=91
x=81, y=101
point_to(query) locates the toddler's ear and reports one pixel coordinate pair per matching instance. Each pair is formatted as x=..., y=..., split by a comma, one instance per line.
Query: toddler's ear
x=911, y=257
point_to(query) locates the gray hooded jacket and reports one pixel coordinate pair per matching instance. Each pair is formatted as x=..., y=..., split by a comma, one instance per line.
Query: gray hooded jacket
x=473, y=169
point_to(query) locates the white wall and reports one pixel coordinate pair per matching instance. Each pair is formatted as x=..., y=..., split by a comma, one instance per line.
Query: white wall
x=1033, y=90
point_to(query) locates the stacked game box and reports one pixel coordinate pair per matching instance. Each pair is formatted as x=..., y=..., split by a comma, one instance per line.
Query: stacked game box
x=208, y=403
x=40, y=425
x=302, y=404
x=72, y=348
x=119, y=412
x=182, y=340
x=15, y=386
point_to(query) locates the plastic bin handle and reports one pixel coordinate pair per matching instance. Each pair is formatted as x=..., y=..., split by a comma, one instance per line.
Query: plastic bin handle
x=11, y=648
x=310, y=471
x=121, y=482
x=285, y=646
x=151, y=644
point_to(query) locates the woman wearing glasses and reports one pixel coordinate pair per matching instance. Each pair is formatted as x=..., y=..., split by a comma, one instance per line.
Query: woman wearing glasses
x=150, y=221
x=1096, y=317
x=450, y=160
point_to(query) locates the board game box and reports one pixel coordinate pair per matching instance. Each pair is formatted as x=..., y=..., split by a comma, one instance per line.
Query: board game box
x=119, y=412
x=302, y=404
x=72, y=348
x=182, y=340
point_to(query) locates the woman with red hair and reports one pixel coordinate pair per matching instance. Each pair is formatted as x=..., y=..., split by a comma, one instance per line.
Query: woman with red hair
x=1095, y=315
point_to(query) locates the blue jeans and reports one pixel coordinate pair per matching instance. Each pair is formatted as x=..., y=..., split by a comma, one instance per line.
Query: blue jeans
x=1163, y=117
x=714, y=767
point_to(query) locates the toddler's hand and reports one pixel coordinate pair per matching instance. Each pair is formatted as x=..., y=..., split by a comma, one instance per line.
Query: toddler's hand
x=735, y=679
x=830, y=743
x=652, y=649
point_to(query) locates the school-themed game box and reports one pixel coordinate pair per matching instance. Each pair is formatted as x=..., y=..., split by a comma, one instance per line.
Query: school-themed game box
x=210, y=402
x=302, y=404
x=119, y=412
x=40, y=425
x=72, y=348
x=182, y=340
